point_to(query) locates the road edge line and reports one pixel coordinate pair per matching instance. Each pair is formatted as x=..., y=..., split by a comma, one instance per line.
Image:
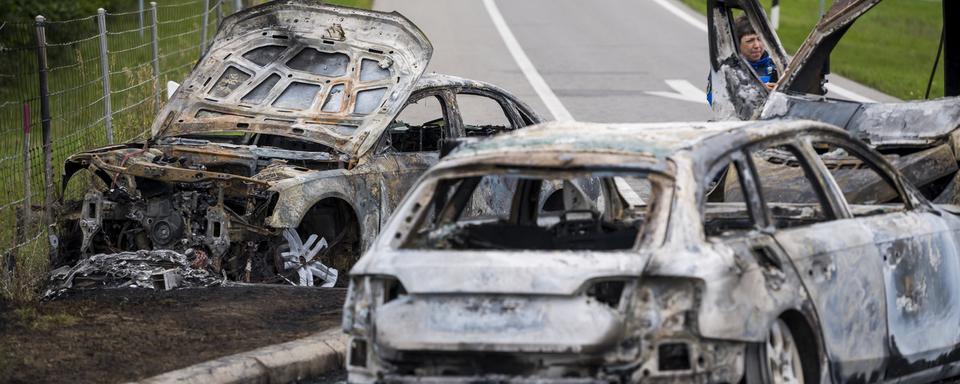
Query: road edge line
x=279, y=363
x=550, y=99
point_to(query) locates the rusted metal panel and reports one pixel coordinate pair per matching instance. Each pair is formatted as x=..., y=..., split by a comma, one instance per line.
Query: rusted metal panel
x=331, y=75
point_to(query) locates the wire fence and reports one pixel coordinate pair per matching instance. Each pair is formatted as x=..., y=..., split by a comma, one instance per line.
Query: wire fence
x=73, y=85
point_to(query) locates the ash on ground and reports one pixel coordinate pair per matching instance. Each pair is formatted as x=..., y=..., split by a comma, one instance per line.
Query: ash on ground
x=155, y=269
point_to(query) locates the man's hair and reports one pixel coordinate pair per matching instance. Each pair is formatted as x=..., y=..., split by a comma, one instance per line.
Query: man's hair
x=742, y=27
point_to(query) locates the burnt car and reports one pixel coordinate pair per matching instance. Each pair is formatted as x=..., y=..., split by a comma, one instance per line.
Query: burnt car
x=290, y=142
x=919, y=137
x=653, y=280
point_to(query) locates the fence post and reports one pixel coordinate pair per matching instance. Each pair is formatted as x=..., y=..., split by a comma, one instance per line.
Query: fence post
x=155, y=42
x=41, y=23
x=203, y=27
x=27, y=193
x=140, y=15
x=237, y=5
x=105, y=71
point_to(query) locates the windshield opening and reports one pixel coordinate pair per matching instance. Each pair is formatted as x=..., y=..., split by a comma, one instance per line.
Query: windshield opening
x=545, y=211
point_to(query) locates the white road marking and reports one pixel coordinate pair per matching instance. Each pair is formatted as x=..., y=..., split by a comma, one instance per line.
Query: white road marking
x=682, y=15
x=550, y=99
x=672, y=8
x=843, y=92
x=683, y=91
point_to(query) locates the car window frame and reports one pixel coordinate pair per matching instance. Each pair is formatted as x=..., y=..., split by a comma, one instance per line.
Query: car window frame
x=870, y=159
x=384, y=146
x=508, y=108
x=747, y=180
x=825, y=189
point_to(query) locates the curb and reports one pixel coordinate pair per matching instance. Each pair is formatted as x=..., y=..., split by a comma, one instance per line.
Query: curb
x=279, y=363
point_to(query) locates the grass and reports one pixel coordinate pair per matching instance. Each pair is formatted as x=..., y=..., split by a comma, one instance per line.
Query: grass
x=365, y=4
x=30, y=318
x=77, y=108
x=891, y=48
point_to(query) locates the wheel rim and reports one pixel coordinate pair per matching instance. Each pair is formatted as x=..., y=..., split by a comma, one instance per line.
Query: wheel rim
x=783, y=364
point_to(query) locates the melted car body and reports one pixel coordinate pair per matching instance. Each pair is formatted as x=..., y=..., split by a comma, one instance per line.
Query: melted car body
x=290, y=142
x=668, y=273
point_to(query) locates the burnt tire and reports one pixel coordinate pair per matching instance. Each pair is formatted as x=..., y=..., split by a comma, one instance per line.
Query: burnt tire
x=780, y=359
x=334, y=221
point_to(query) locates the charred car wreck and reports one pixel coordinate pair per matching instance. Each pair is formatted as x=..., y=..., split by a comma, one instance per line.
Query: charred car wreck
x=659, y=279
x=922, y=138
x=290, y=142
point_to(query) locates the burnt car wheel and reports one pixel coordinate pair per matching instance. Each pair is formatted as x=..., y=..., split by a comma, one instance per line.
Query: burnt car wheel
x=777, y=360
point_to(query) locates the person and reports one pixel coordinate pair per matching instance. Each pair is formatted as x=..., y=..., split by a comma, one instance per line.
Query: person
x=753, y=51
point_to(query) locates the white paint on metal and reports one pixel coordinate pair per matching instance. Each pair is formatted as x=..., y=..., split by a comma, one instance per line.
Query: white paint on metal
x=540, y=85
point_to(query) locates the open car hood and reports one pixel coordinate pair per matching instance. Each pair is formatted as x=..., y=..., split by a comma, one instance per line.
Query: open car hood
x=331, y=75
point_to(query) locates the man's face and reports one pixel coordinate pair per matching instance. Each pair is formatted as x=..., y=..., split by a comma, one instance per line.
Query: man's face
x=751, y=47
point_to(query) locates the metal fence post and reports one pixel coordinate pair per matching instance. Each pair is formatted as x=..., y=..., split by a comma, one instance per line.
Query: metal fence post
x=203, y=27
x=237, y=5
x=140, y=15
x=155, y=42
x=27, y=194
x=105, y=70
x=45, y=118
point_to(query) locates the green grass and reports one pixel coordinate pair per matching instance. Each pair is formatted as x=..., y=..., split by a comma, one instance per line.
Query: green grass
x=30, y=318
x=365, y=4
x=891, y=48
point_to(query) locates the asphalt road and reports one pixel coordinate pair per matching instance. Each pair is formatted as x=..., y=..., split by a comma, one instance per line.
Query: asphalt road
x=602, y=60
x=599, y=58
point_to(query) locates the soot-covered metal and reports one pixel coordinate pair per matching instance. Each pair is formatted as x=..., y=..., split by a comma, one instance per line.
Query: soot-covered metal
x=281, y=154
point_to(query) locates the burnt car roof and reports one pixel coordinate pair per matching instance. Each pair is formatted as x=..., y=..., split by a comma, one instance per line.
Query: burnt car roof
x=655, y=140
x=326, y=74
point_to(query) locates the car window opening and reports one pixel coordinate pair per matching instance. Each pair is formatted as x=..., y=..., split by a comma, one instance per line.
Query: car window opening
x=535, y=213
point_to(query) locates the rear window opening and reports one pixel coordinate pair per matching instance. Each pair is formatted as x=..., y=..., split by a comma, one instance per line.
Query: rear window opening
x=509, y=211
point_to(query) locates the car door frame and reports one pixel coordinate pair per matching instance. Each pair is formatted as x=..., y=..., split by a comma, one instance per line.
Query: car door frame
x=824, y=265
x=899, y=272
x=402, y=177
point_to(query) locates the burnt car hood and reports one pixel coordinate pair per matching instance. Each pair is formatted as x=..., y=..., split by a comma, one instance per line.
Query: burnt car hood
x=330, y=75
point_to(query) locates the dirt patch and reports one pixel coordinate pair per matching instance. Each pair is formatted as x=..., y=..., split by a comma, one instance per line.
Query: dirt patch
x=119, y=335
